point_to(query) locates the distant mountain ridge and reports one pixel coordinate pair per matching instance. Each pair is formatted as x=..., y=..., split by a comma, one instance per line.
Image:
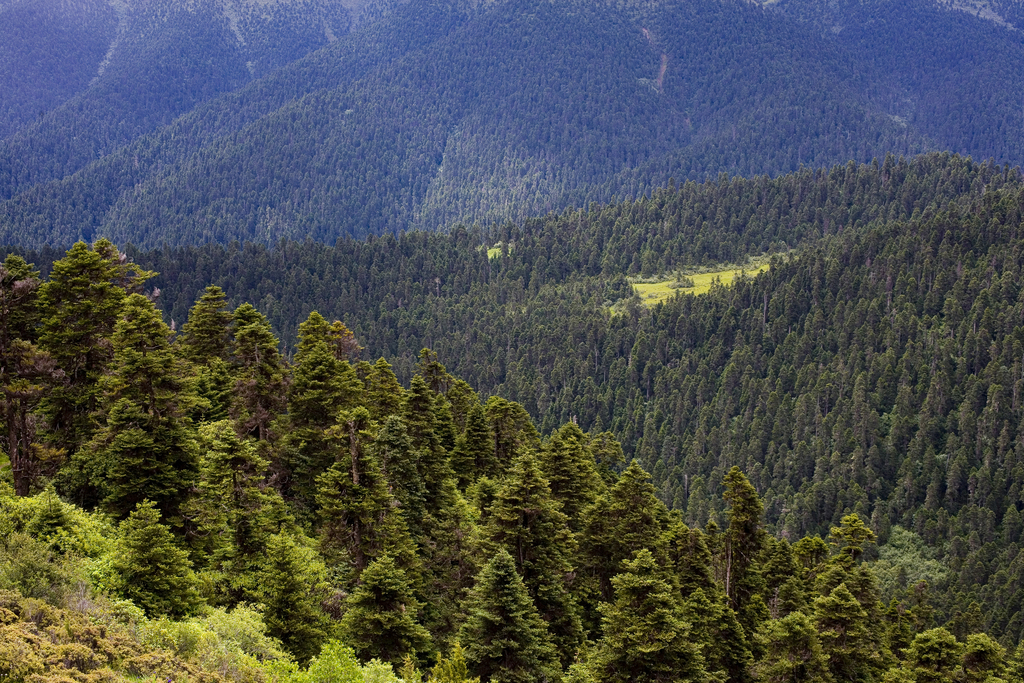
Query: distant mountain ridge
x=433, y=113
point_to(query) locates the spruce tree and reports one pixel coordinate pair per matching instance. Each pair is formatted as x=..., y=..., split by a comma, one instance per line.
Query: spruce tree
x=792, y=652
x=80, y=303
x=145, y=449
x=358, y=520
x=150, y=569
x=420, y=418
x=381, y=617
x=570, y=470
x=506, y=641
x=512, y=429
x=526, y=521
x=260, y=388
x=743, y=543
x=848, y=638
x=383, y=395
x=290, y=589
x=646, y=637
x=628, y=518
x=453, y=668
x=207, y=333
x=24, y=369
x=233, y=511
x=478, y=447
x=321, y=386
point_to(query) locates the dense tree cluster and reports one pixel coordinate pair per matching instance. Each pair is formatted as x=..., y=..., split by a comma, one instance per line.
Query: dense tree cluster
x=417, y=525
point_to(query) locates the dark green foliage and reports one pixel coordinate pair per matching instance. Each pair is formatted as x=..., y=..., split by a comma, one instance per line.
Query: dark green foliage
x=289, y=587
x=207, y=334
x=82, y=301
x=381, y=617
x=527, y=522
x=260, y=386
x=646, y=637
x=145, y=448
x=504, y=637
x=570, y=471
x=793, y=652
x=150, y=569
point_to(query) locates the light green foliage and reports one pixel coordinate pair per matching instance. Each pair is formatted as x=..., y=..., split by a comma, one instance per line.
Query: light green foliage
x=452, y=669
x=905, y=560
x=232, y=643
x=652, y=293
x=853, y=644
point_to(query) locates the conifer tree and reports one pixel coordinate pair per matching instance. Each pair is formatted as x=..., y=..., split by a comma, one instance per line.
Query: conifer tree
x=792, y=652
x=449, y=565
x=260, y=389
x=420, y=419
x=80, y=303
x=290, y=589
x=716, y=629
x=526, y=521
x=506, y=641
x=145, y=449
x=150, y=569
x=358, y=521
x=744, y=541
x=321, y=387
x=477, y=449
x=383, y=394
x=569, y=468
x=854, y=651
x=381, y=618
x=646, y=637
x=233, y=511
x=452, y=669
x=628, y=518
x=512, y=429
x=24, y=369
x=397, y=460
x=207, y=333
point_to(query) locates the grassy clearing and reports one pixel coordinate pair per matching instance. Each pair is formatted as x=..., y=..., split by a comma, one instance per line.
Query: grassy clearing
x=652, y=293
x=495, y=251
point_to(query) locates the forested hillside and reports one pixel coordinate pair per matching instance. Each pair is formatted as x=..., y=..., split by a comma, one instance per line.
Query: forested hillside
x=194, y=506
x=441, y=112
x=883, y=353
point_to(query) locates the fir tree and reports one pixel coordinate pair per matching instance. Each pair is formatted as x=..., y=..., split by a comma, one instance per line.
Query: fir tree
x=526, y=521
x=569, y=468
x=506, y=641
x=452, y=669
x=150, y=569
x=847, y=637
x=207, y=334
x=290, y=589
x=792, y=652
x=260, y=389
x=380, y=621
x=646, y=637
x=383, y=394
x=145, y=449
x=81, y=303
x=744, y=541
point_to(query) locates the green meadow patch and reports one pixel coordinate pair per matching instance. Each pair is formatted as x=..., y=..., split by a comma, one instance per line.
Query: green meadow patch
x=653, y=292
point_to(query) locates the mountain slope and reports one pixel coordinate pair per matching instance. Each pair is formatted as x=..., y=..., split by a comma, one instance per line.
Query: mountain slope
x=440, y=114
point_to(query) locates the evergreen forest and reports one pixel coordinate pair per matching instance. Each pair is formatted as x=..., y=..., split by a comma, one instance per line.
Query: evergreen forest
x=480, y=455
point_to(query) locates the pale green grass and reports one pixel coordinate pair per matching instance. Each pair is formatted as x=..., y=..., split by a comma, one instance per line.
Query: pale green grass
x=494, y=252
x=652, y=293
